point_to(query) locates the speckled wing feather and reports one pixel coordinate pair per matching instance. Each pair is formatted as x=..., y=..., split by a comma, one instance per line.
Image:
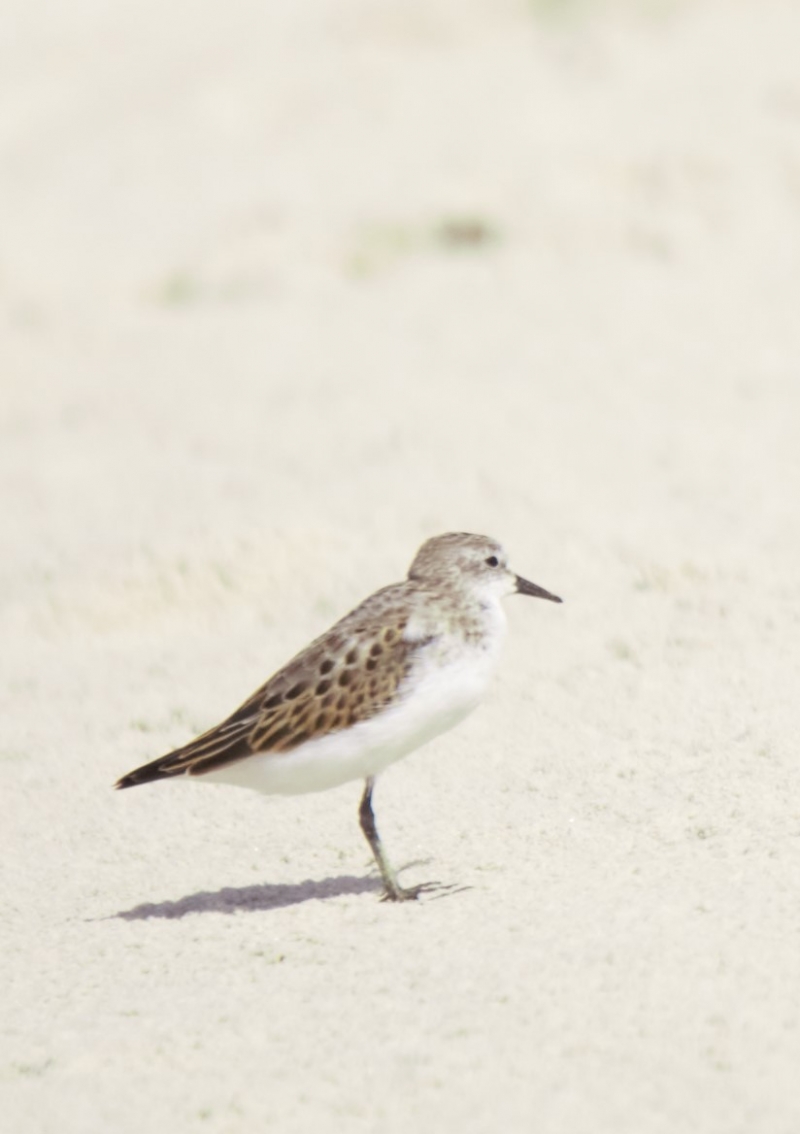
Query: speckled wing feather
x=345, y=676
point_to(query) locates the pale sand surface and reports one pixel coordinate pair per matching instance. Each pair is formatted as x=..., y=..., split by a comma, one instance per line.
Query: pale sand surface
x=243, y=376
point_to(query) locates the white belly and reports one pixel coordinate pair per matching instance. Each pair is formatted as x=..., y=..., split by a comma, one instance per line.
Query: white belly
x=434, y=699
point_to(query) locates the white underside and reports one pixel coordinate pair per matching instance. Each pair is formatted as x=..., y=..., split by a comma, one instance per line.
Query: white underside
x=435, y=698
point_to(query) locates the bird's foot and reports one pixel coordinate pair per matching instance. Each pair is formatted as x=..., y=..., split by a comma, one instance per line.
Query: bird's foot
x=397, y=893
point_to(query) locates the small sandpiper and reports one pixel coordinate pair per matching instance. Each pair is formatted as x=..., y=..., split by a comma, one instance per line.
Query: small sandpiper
x=406, y=665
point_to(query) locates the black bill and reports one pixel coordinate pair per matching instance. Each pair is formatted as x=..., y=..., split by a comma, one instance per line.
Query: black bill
x=526, y=588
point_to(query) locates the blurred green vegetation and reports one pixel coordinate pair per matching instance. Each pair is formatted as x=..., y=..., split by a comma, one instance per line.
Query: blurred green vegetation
x=567, y=9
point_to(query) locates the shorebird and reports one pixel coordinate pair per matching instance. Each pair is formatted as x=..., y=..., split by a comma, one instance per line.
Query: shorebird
x=406, y=665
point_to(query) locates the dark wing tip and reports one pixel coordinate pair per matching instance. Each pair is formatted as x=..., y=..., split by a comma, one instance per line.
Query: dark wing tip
x=131, y=780
x=221, y=745
x=145, y=775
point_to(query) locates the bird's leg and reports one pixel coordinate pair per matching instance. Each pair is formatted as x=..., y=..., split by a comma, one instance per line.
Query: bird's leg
x=394, y=891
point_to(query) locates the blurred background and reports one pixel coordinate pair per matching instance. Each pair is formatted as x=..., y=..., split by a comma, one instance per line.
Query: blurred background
x=279, y=279
x=287, y=288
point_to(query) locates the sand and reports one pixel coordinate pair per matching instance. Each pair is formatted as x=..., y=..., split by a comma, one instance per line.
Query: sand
x=285, y=289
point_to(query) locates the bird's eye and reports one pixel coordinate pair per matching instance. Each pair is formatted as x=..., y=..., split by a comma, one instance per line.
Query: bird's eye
x=493, y=561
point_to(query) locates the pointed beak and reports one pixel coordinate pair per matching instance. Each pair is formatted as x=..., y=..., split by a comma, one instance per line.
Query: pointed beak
x=526, y=588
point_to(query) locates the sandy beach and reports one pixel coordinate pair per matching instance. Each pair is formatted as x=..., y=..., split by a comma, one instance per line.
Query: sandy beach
x=285, y=290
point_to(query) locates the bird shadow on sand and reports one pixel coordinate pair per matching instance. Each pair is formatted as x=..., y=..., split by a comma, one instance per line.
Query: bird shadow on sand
x=253, y=899
x=273, y=896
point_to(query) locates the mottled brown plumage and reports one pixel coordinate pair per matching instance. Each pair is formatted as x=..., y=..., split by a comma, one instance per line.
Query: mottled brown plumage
x=346, y=675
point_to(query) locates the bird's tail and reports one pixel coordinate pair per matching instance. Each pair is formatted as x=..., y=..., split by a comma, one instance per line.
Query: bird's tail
x=220, y=745
x=156, y=770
